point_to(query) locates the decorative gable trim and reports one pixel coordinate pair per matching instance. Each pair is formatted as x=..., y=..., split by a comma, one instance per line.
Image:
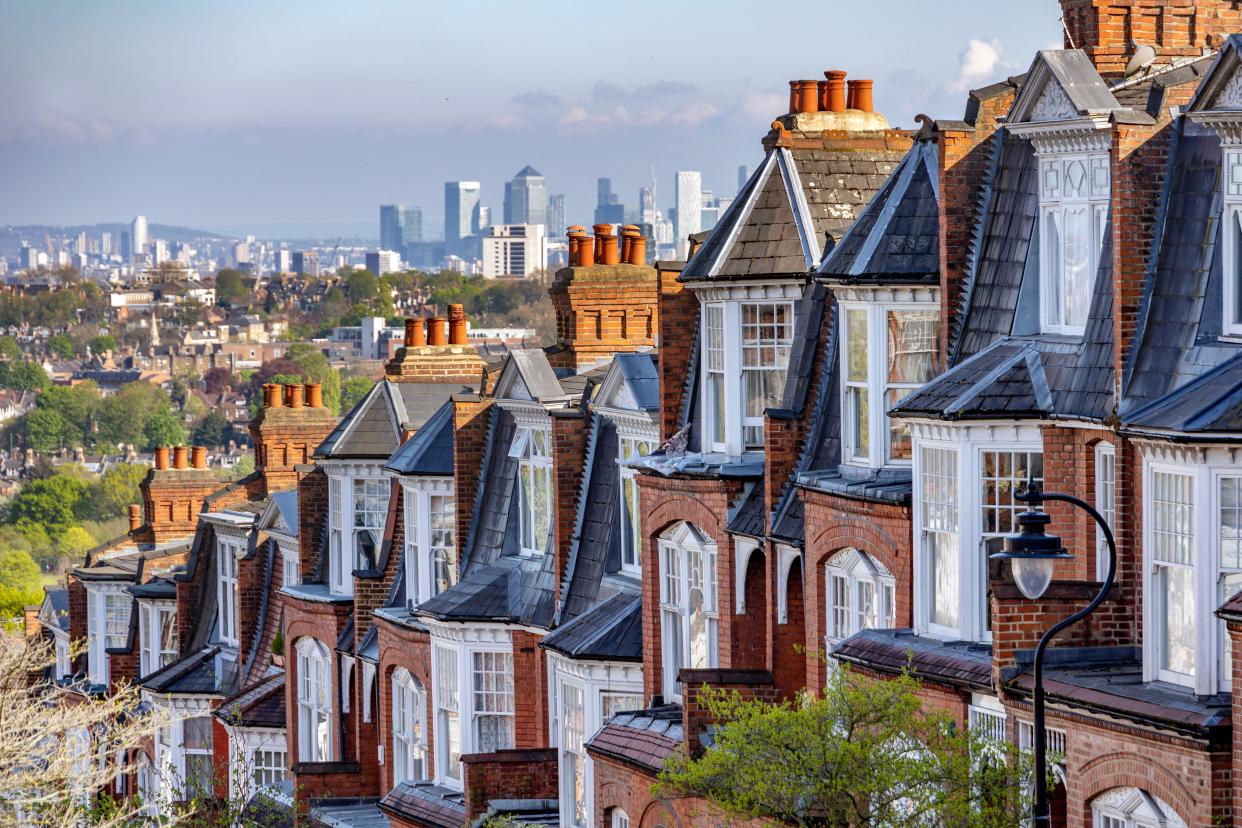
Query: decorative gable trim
x=802, y=212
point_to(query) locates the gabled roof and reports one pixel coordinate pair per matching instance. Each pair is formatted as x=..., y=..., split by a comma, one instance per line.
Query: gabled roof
x=1062, y=84
x=1221, y=88
x=373, y=428
x=55, y=609
x=280, y=513
x=897, y=237
x=430, y=451
x=195, y=674
x=632, y=382
x=611, y=631
x=1210, y=403
x=260, y=705
x=527, y=375
x=644, y=738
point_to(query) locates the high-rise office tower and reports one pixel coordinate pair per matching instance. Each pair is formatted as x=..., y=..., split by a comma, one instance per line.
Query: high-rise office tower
x=241, y=253
x=604, y=193
x=526, y=198
x=485, y=219
x=159, y=252
x=556, y=215
x=105, y=243
x=127, y=246
x=139, y=236
x=306, y=263
x=390, y=226
x=743, y=175
x=608, y=207
x=282, y=261
x=647, y=204
x=411, y=225
x=689, y=203
x=514, y=250
x=461, y=212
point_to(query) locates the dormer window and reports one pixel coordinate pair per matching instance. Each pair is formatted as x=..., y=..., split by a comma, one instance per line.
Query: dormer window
x=631, y=509
x=743, y=375
x=887, y=350
x=1073, y=210
x=157, y=630
x=1233, y=242
x=357, y=508
x=226, y=590
x=430, y=538
x=532, y=448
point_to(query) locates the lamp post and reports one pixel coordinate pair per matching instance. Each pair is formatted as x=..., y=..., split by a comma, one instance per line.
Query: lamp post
x=1031, y=554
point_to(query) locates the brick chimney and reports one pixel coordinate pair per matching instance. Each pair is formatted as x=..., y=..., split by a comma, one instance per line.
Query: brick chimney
x=607, y=304
x=1107, y=29
x=172, y=497
x=438, y=350
x=285, y=436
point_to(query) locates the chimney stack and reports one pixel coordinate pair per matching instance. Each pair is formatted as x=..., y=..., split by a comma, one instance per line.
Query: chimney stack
x=161, y=458
x=860, y=95
x=435, y=331
x=181, y=457
x=457, y=324
x=295, y=395
x=198, y=457
x=314, y=395
x=835, y=90
x=135, y=516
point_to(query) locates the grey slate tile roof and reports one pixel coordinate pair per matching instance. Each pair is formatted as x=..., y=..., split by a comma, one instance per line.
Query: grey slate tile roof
x=430, y=450
x=196, y=673
x=957, y=663
x=511, y=589
x=750, y=518
x=881, y=485
x=260, y=705
x=349, y=813
x=154, y=588
x=373, y=428
x=1077, y=77
x=56, y=599
x=1210, y=403
x=596, y=546
x=610, y=631
x=426, y=804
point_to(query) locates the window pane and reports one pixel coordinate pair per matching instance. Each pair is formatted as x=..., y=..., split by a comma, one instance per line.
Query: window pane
x=911, y=346
x=1177, y=594
x=856, y=345
x=1231, y=523
x=196, y=733
x=1077, y=276
x=939, y=518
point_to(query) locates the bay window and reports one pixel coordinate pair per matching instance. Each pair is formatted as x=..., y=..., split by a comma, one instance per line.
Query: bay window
x=1073, y=209
x=631, y=512
x=357, y=508
x=116, y=618
x=448, y=715
x=861, y=595
x=939, y=529
x=314, y=698
x=532, y=448
x=493, y=702
x=887, y=351
x=107, y=625
x=688, y=610
x=290, y=567
x=227, y=552
x=1232, y=182
x=1005, y=474
x=370, y=509
x=612, y=703
x=157, y=631
x=196, y=743
x=430, y=539
x=743, y=375
x=408, y=733
x=1173, y=561
x=573, y=758
x=267, y=768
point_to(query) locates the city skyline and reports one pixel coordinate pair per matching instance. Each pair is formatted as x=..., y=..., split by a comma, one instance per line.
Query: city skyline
x=281, y=154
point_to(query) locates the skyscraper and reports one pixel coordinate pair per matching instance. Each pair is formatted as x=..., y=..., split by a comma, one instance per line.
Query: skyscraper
x=689, y=203
x=608, y=207
x=743, y=175
x=139, y=237
x=526, y=198
x=390, y=226
x=411, y=225
x=461, y=212
x=282, y=261
x=647, y=204
x=556, y=216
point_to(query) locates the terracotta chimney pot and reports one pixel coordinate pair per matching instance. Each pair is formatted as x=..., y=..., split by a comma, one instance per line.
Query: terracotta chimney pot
x=612, y=255
x=808, y=96
x=457, y=324
x=314, y=395
x=860, y=95
x=135, y=516
x=295, y=395
x=436, y=332
x=410, y=325
x=161, y=458
x=793, y=97
x=836, y=90
x=638, y=251
x=821, y=88
x=574, y=245
x=627, y=239
x=181, y=457
x=198, y=457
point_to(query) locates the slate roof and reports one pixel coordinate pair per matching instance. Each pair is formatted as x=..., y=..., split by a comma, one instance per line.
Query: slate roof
x=958, y=663
x=596, y=545
x=260, y=705
x=426, y=804
x=196, y=673
x=349, y=813
x=897, y=237
x=610, y=631
x=1077, y=76
x=643, y=738
x=57, y=601
x=750, y=518
x=511, y=589
x=430, y=450
x=154, y=588
x=373, y=428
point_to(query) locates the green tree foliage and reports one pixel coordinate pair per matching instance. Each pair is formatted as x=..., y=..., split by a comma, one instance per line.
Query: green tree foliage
x=353, y=390
x=110, y=495
x=46, y=431
x=231, y=288
x=103, y=343
x=866, y=754
x=20, y=581
x=23, y=375
x=217, y=379
x=75, y=543
x=61, y=346
x=163, y=428
x=315, y=368
x=123, y=418
x=48, y=503
x=213, y=430
x=9, y=349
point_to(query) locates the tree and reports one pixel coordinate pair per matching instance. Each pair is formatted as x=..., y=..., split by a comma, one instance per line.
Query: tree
x=866, y=754
x=75, y=543
x=110, y=495
x=9, y=349
x=213, y=430
x=61, y=346
x=217, y=380
x=48, y=503
x=231, y=288
x=20, y=582
x=122, y=417
x=353, y=390
x=46, y=431
x=23, y=375
x=163, y=428
x=48, y=776
x=76, y=404
x=103, y=343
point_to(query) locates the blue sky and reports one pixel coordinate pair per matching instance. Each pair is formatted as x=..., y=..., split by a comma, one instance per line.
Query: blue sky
x=305, y=116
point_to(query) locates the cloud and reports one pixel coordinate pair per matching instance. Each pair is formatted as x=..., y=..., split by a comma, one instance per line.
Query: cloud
x=692, y=114
x=52, y=127
x=764, y=106
x=609, y=92
x=685, y=116
x=978, y=64
x=537, y=98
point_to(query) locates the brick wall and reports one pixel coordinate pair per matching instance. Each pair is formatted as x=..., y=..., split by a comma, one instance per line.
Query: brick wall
x=752, y=685
x=530, y=690
x=1105, y=29
x=789, y=661
x=626, y=788
x=602, y=310
x=312, y=508
x=172, y=499
x=285, y=438
x=401, y=647
x=470, y=419
x=436, y=363
x=1234, y=631
x=882, y=530
x=508, y=774
x=77, y=617
x=679, y=321
x=569, y=441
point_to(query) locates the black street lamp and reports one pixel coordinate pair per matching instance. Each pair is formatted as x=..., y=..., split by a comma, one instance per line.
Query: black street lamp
x=1031, y=554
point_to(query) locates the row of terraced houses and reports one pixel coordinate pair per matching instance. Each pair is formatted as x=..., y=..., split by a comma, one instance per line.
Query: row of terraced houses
x=500, y=587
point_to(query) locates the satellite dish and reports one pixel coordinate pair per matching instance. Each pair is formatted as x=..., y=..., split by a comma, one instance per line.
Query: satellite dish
x=1144, y=56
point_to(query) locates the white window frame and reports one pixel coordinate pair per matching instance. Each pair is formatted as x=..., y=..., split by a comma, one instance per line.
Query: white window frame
x=492, y=699
x=228, y=550
x=679, y=546
x=98, y=596
x=1132, y=808
x=1105, y=502
x=201, y=750
x=290, y=566
x=970, y=442
x=314, y=700
x=1231, y=182
x=618, y=818
x=875, y=387
x=64, y=666
x=344, y=499
x=269, y=767
x=1054, y=202
x=854, y=577
x=630, y=448
x=723, y=352
x=430, y=515
x=571, y=738
x=155, y=651
x=532, y=448
x=409, y=728
x=446, y=670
